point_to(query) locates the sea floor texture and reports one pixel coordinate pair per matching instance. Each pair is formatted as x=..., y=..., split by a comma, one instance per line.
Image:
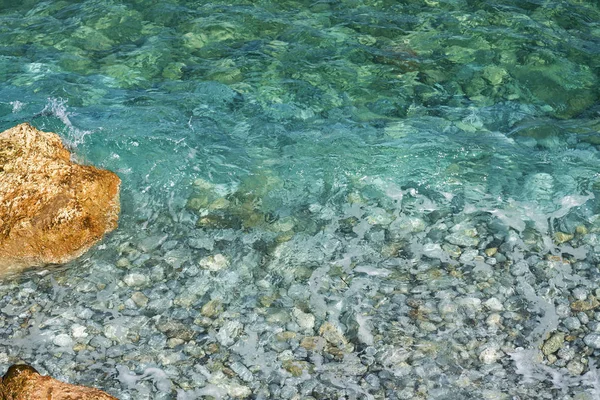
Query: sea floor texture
x=333, y=199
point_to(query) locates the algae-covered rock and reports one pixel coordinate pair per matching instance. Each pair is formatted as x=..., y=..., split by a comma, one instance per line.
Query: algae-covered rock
x=52, y=210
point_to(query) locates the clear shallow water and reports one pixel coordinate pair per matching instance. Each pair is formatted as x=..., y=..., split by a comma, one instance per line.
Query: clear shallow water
x=341, y=162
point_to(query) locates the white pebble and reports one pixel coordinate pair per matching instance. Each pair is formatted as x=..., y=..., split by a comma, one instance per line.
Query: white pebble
x=494, y=320
x=136, y=280
x=78, y=331
x=494, y=304
x=214, y=263
x=306, y=321
x=63, y=340
x=489, y=355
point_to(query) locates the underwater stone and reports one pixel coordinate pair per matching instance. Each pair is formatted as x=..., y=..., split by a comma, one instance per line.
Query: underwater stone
x=592, y=340
x=489, y=355
x=214, y=263
x=136, y=280
x=229, y=332
x=575, y=367
x=52, y=210
x=572, y=323
x=306, y=321
x=585, y=305
x=212, y=308
x=553, y=344
x=462, y=239
x=561, y=237
x=63, y=340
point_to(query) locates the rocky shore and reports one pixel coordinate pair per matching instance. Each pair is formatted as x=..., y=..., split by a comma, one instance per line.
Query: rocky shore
x=52, y=210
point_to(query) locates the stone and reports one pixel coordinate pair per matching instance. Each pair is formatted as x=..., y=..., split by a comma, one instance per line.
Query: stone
x=491, y=251
x=592, y=340
x=136, y=280
x=561, y=237
x=212, y=308
x=52, y=210
x=553, y=344
x=575, y=367
x=489, y=355
x=22, y=382
x=494, y=304
x=306, y=321
x=585, y=305
x=214, y=263
x=63, y=340
x=140, y=299
x=229, y=332
x=462, y=239
x=572, y=323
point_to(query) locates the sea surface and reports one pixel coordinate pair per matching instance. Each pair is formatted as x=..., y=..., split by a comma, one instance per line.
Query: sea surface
x=325, y=199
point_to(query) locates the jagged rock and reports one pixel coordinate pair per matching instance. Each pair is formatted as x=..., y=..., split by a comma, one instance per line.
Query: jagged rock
x=52, y=210
x=22, y=382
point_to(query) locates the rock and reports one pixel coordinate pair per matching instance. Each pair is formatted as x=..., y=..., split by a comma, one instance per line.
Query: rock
x=63, y=340
x=575, y=367
x=136, y=280
x=494, y=304
x=212, y=308
x=491, y=251
x=572, y=323
x=229, y=332
x=306, y=321
x=214, y=263
x=585, y=305
x=553, y=344
x=52, y=210
x=592, y=340
x=22, y=382
x=140, y=299
x=462, y=239
x=561, y=237
x=489, y=355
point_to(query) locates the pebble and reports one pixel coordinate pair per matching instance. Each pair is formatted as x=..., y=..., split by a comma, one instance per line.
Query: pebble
x=575, y=367
x=116, y=331
x=490, y=252
x=306, y=321
x=240, y=369
x=494, y=320
x=554, y=343
x=592, y=340
x=229, y=332
x=211, y=309
x=583, y=318
x=216, y=262
x=140, y=299
x=580, y=293
x=461, y=239
x=561, y=237
x=489, y=355
x=566, y=353
x=63, y=340
x=572, y=323
x=79, y=331
x=594, y=326
x=494, y=304
x=136, y=280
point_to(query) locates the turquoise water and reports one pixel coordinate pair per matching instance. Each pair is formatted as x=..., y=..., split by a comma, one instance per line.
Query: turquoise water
x=326, y=150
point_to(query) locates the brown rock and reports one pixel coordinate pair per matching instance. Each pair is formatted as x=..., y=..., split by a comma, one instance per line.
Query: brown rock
x=590, y=303
x=52, y=210
x=22, y=382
